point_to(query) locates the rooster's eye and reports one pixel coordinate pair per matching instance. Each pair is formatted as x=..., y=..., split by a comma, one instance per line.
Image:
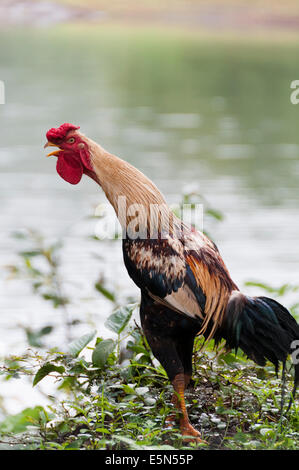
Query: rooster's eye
x=71, y=140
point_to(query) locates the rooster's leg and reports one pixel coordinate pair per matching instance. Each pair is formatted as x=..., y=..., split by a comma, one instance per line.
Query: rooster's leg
x=171, y=418
x=184, y=348
x=179, y=387
x=171, y=338
x=179, y=372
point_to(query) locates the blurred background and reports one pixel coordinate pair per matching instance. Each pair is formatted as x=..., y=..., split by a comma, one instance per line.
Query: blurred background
x=195, y=94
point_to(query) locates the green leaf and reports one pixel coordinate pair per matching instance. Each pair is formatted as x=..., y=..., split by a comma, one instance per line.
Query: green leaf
x=126, y=440
x=56, y=299
x=76, y=346
x=34, y=337
x=280, y=291
x=119, y=319
x=30, y=254
x=102, y=430
x=19, y=422
x=260, y=285
x=129, y=390
x=106, y=293
x=102, y=351
x=215, y=214
x=45, y=370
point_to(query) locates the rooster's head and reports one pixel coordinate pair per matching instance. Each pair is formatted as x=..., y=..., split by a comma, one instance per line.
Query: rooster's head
x=73, y=157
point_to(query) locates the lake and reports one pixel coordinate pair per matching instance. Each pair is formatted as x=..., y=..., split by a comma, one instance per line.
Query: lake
x=190, y=112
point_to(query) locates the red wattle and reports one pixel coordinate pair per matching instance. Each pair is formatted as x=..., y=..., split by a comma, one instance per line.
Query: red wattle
x=69, y=168
x=85, y=159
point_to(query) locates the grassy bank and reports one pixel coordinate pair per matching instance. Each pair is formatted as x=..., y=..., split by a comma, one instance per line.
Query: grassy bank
x=105, y=403
x=110, y=392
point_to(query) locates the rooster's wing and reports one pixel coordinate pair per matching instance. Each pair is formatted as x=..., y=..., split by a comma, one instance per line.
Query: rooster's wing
x=186, y=274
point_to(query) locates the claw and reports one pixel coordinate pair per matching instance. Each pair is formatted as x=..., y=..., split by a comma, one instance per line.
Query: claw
x=190, y=434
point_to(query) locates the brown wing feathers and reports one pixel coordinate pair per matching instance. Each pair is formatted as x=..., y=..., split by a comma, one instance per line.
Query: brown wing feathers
x=213, y=278
x=193, y=282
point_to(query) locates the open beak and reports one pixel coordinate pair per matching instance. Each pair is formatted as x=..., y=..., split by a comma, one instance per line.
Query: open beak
x=55, y=153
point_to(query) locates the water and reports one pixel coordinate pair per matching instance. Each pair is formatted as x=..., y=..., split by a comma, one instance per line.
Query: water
x=186, y=112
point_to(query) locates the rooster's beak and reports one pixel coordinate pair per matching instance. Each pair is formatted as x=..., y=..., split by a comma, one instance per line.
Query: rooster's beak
x=56, y=152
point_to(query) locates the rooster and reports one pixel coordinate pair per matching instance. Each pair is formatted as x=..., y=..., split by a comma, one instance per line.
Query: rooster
x=185, y=286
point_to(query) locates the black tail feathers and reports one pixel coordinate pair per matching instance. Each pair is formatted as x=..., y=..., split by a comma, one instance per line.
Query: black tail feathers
x=263, y=329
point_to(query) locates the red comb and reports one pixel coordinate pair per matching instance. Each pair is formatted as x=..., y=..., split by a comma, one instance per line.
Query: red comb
x=60, y=132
